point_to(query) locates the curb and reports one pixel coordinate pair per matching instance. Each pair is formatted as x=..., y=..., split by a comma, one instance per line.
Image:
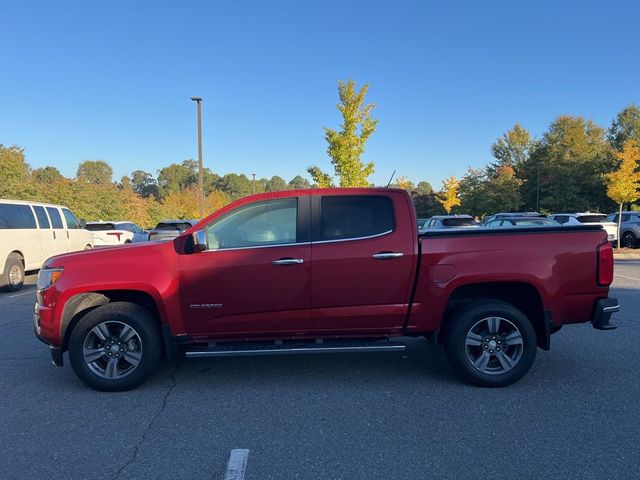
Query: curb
x=626, y=256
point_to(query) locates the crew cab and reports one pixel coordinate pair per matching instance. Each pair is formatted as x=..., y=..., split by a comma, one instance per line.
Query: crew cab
x=319, y=271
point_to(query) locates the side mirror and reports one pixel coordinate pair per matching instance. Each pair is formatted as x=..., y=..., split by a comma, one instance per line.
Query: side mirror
x=199, y=241
x=83, y=223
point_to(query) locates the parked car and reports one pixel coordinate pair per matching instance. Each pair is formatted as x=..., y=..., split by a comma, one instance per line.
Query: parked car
x=451, y=221
x=521, y=222
x=421, y=222
x=31, y=232
x=321, y=271
x=495, y=216
x=629, y=228
x=109, y=233
x=588, y=218
x=170, y=229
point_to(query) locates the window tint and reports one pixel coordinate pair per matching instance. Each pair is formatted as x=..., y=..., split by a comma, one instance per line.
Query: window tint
x=72, y=221
x=43, y=220
x=272, y=222
x=354, y=217
x=99, y=227
x=592, y=218
x=561, y=219
x=182, y=226
x=16, y=216
x=625, y=217
x=494, y=223
x=56, y=219
x=130, y=227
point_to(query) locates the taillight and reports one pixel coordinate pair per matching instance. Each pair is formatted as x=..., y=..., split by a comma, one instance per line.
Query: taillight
x=117, y=234
x=605, y=265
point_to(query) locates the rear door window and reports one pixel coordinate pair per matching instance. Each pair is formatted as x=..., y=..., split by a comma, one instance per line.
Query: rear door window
x=43, y=220
x=56, y=219
x=14, y=216
x=352, y=217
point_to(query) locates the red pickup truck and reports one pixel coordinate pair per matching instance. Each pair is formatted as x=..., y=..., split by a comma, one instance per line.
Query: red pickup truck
x=326, y=270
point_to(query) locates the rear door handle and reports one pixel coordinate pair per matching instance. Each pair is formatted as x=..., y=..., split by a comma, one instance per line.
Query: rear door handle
x=287, y=261
x=387, y=255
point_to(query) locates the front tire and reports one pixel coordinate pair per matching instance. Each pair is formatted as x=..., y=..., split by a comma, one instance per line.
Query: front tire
x=115, y=347
x=491, y=343
x=13, y=274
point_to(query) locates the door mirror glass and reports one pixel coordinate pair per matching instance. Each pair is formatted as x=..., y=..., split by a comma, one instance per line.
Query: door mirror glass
x=199, y=241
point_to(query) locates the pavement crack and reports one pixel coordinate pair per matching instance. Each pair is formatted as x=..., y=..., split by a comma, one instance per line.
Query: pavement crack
x=147, y=429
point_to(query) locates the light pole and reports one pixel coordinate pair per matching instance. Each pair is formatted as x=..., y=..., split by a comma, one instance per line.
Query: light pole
x=198, y=101
x=254, y=183
x=538, y=189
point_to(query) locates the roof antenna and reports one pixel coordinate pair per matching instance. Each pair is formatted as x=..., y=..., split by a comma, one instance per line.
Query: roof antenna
x=389, y=183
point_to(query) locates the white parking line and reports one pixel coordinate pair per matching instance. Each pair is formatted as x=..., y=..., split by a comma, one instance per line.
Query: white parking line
x=237, y=464
x=22, y=293
x=628, y=278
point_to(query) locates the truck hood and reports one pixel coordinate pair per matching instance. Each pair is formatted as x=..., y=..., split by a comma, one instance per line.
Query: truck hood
x=118, y=254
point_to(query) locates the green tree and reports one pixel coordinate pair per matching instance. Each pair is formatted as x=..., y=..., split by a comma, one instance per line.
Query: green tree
x=234, y=185
x=449, y=195
x=511, y=150
x=423, y=188
x=299, y=183
x=625, y=127
x=46, y=174
x=14, y=174
x=347, y=145
x=623, y=184
x=472, y=192
x=276, y=184
x=427, y=205
x=571, y=156
x=98, y=172
x=144, y=184
x=177, y=177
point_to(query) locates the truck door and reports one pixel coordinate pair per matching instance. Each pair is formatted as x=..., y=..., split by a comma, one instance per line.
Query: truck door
x=362, y=261
x=254, y=277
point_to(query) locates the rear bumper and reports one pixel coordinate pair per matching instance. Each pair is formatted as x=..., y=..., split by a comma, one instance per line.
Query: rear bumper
x=602, y=313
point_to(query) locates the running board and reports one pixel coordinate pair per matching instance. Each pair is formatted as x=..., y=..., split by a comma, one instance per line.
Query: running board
x=293, y=348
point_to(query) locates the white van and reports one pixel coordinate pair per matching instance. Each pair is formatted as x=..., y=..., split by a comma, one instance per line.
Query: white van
x=31, y=232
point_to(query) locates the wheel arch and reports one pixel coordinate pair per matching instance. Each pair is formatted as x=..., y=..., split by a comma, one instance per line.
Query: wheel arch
x=522, y=295
x=82, y=303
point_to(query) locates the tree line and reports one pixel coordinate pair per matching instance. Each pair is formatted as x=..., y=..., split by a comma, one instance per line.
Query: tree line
x=576, y=165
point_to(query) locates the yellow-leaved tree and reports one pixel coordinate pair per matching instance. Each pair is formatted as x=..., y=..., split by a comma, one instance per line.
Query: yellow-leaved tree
x=623, y=185
x=449, y=194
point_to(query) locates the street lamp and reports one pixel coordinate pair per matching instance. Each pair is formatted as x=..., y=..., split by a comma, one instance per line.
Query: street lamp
x=198, y=101
x=254, y=183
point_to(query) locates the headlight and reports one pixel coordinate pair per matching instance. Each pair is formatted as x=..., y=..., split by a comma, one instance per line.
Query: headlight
x=48, y=276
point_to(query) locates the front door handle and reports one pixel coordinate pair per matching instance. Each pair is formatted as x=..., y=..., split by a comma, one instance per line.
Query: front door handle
x=387, y=255
x=287, y=261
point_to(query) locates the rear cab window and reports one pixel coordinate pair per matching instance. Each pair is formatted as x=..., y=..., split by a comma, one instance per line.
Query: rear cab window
x=173, y=226
x=592, y=218
x=459, y=222
x=15, y=216
x=352, y=217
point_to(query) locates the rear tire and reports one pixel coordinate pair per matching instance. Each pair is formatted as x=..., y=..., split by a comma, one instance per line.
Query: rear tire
x=115, y=347
x=629, y=240
x=491, y=343
x=13, y=274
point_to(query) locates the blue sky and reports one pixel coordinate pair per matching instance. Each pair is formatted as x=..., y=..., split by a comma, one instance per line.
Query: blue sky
x=112, y=80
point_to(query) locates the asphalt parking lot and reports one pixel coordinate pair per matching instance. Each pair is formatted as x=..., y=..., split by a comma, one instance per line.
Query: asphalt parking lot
x=346, y=416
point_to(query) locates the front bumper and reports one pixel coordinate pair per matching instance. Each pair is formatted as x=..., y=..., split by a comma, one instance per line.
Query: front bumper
x=56, y=352
x=602, y=313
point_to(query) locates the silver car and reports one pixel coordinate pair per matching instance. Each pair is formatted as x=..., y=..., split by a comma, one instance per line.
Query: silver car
x=629, y=228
